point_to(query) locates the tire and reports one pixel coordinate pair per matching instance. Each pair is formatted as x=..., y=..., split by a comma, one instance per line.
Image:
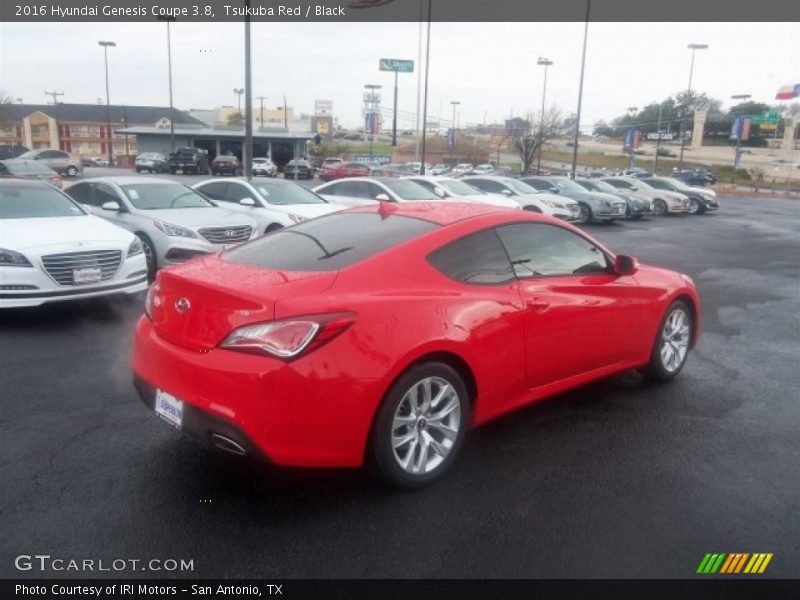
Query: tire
x=531, y=208
x=694, y=206
x=273, y=227
x=668, y=356
x=72, y=171
x=659, y=207
x=149, y=255
x=584, y=214
x=398, y=420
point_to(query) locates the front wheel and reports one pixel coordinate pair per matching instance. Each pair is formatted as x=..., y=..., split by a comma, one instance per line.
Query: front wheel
x=659, y=208
x=149, y=256
x=694, y=206
x=584, y=214
x=72, y=171
x=671, y=346
x=420, y=426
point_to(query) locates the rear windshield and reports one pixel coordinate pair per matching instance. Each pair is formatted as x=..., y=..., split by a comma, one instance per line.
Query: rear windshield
x=329, y=243
x=35, y=202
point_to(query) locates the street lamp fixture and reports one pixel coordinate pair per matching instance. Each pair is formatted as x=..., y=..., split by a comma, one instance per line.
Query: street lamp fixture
x=239, y=92
x=694, y=48
x=106, y=45
x=542, y=62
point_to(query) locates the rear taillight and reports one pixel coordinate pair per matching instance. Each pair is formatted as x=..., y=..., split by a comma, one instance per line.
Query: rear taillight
x=152, y=300
x=290, y=337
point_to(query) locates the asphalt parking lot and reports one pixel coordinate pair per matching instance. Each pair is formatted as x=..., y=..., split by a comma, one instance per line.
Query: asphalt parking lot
x=620, y=478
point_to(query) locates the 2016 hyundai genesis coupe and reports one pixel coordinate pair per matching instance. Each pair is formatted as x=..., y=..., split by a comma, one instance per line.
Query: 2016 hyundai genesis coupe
x=381, y=334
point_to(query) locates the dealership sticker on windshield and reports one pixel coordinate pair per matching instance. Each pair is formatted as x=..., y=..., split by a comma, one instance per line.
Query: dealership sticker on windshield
x=169, y=408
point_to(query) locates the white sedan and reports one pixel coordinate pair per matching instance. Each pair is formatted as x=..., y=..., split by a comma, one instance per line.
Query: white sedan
x=361, y=191
x=53, y=250
x=528, y=198
x=461, y=191
x=273, y=203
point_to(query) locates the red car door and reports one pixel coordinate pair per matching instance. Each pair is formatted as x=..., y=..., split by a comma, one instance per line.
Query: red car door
x=579, y=315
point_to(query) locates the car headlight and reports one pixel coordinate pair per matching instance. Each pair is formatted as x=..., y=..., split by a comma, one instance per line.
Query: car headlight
x=135, y=247
x=174, y=230
x=605, y=204
x=297, y=218
x=552, y=204
x=9, y=258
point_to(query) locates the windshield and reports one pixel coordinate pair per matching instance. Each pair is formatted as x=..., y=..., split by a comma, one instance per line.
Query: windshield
x=409, y=190
x=28, y=167
x=150, y=156
x=598, y=186
x=29, y=155
x=658, y=184
x=35, y=202
x=520, y=186
x=287, y=194
x=155, y=196
x=460, y=188
x=681, y=185
x=565, y=185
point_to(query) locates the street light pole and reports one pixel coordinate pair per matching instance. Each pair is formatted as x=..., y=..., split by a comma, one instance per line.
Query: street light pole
x=544, y=62
x=394, y=115
x=169, y=68
x=658, y=139
x=371, y=111
x=425, y=100
x=105, y=46
x=453, y=147
x=693, y=48
x=247, y=151
x=580, y=93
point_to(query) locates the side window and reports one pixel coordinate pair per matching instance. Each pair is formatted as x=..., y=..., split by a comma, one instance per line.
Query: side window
x=81, y=193
x=478, y=259
x=424, y=183
x=487, y=185
x=215, y=191
x=46, y=154
x=355, y=189
x=540, y=250
x=59, y=154
x=236, y=192
x=373, y=190
x=539, y=185
x=105, y=193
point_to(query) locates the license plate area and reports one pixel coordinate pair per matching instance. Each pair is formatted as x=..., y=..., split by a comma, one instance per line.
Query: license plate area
x=86, y=275
x=169, y=408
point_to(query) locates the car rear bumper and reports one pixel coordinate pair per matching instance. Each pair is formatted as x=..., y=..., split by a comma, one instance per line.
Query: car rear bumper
x=300, y=413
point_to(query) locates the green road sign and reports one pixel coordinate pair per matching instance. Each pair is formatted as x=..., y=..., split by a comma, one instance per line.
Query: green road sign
x=396, y=64
x=771, y=117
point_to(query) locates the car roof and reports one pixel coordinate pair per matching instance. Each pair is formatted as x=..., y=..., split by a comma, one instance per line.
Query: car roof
x=128, y=180
x=441, y=213
x=24, y=183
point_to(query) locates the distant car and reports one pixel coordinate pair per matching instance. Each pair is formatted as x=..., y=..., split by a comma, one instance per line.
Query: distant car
x=593, y=206
x=89, y=162
x=664, y=201
x=461, y=191
x=360, y=191
x=188, y=160
x=440, y=169
x=331, y=162
x=15, y=168
x=483, y=169
x=695, y=177
x=226, y=165
x=344, y=170
x=152, y=162
x=53, y=250
x=636, y=206
x=174, y=222
x=700, y=199
x=271, y=204
x=264, y=167
x=636, y=172
x=527, y=197
x=665, y=152
x=298, y=168
x=61, y=162
x=462, y=169
x=11, y=151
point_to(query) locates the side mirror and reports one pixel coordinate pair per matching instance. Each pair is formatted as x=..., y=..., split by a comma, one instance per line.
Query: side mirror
x=555, y=190
x=111, y=205
x=439, y=192
x=507, y=192
x=383, y=198
x=625, y=265
x=247, y=202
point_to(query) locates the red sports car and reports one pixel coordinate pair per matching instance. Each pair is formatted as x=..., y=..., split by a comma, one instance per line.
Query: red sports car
x=381, y=334
x=350, y=169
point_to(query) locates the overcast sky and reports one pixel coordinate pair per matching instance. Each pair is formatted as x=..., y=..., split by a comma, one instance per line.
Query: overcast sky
x=489, y=67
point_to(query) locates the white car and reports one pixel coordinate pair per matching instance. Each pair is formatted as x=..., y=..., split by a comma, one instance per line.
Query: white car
x=462, y=169
x=174, y=222
x=53, y=250
x=439, y=169
x=361, y=191
x=461, y=191
x=483, y=169
x=527, y=197
x=664, y=201
x=264, y=167
x=272, y=204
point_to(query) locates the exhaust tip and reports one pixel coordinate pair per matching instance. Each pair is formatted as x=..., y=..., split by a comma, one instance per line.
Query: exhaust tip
x=226, y=444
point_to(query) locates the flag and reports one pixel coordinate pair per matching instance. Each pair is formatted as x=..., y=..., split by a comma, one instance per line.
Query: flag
x=787, y=92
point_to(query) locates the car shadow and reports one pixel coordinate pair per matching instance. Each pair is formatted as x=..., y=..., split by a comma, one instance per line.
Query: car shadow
x=74, y=313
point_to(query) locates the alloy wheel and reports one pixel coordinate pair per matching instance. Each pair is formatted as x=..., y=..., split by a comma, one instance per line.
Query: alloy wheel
x=675, y=340
x=694, y=206
x=583, y=213
x=426, y=425
x=659, y=208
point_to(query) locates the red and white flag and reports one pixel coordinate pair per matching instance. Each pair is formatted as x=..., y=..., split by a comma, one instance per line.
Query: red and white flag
x=787, y=92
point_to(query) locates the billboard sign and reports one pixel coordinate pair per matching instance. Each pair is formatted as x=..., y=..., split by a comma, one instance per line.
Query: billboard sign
x=384, y=159
x=372, y=98
x=740, y=130
x=396, y=64
x=632, y=137
x=660, y=136
x=323, y=108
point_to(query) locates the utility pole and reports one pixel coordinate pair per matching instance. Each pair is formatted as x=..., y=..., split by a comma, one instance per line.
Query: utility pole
x=285, y=114
x=542, y=62
x=425, y=100
x=453, y=129
x=169, y=73
x=106, y=46
x=580, y=93
x=55, y=96
x=239, y=92
x=658, y=138
x=261, y=114
x=394, y=116
x=247, y=151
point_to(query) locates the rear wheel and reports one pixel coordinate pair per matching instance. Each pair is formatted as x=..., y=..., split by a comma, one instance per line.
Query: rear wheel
x=659, y=208
x=671, y=346
x=420, y=426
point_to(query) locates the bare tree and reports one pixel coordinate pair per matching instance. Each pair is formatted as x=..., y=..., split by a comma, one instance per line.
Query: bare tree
x=6, y=101
x=538, y=132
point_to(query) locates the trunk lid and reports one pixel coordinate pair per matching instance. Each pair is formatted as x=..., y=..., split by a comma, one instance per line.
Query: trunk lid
x=199, y=303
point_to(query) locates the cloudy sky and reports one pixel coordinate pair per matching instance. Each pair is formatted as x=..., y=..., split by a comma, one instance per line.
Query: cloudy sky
x=489, y=67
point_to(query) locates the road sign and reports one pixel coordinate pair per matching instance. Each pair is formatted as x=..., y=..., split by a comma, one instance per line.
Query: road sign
x=396, y=64
x=372, y=98
x=381, y=158
x=771, y=117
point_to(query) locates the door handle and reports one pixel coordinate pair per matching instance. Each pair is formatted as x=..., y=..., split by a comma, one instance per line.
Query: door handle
x=537, y=303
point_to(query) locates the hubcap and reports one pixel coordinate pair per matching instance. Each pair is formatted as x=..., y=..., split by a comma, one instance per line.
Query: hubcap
x=675, y=340
x=693, y=206
x=425, y=426
x=584, y=214
x=660, y=208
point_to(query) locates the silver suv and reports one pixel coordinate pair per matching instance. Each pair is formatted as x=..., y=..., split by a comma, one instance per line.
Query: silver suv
x=61, y=162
